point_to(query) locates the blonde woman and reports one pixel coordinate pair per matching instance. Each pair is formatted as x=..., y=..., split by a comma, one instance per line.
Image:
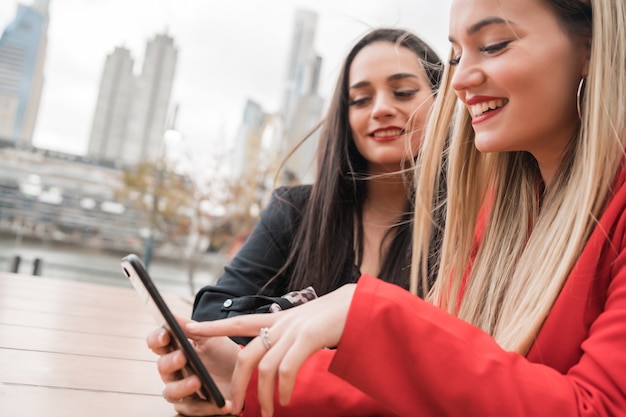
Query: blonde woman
x=528, y=315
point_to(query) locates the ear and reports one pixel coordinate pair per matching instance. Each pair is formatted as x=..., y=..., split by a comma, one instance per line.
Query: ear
x=586, y=56
x=585, y=69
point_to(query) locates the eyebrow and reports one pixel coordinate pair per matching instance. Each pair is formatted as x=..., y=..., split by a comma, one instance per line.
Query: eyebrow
x=476, y=27
x=399, y=76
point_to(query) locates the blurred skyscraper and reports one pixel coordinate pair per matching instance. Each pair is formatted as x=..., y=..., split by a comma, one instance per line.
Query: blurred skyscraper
x=22, y=56
x=248, y=141
x=302, y=105
x=108, y=129
x=131, y=113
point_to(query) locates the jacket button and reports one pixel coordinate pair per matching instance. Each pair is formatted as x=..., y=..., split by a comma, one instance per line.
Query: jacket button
x=228, y=303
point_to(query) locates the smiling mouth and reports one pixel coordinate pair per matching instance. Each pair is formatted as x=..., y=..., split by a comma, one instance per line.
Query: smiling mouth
x=387, y=133
x=485, y=107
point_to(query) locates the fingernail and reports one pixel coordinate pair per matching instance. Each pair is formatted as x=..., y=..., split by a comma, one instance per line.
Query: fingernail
x=192, y=325
x=162, y=335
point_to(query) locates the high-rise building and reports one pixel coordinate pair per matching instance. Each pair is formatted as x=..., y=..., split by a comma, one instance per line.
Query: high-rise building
x=151, y=102
x=108, y=130
x=302, y=105
x=248, y=141
x=132, y=110
x=22, y=56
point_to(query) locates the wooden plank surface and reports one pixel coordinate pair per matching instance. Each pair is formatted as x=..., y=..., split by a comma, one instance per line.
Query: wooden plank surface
x=28, y=400
x=114, y=326
x=70, y=348
x=74, y=297
x=79, y=372
x=74, y=343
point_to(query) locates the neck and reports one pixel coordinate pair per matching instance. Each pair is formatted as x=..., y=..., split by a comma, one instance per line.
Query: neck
x=385, y=204
x=386, y=196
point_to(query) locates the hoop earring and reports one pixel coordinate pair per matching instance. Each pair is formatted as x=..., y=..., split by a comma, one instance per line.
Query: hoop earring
x=579, y=96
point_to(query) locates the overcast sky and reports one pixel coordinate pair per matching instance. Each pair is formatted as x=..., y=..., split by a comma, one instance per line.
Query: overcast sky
x=229, y=51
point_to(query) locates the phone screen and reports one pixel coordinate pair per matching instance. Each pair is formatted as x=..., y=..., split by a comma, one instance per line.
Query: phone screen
x=134, y=270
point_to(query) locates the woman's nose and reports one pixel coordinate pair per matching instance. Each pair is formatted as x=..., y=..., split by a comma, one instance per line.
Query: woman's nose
x=467, y=75
x=383, y=107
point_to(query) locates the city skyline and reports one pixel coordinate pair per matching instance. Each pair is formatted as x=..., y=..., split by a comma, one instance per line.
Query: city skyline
x=221, y=66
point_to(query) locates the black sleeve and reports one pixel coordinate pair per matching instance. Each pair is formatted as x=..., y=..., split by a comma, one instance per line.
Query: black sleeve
x=263, y=254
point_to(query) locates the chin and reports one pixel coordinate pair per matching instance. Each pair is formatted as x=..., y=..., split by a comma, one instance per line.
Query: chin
x=487, y=145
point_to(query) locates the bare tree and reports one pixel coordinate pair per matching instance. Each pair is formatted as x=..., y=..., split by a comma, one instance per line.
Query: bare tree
x=166, y=199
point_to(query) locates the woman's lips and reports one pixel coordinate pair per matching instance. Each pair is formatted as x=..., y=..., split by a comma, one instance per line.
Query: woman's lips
x=386, y=134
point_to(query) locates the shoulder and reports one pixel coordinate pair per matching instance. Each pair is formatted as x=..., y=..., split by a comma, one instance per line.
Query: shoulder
x=613, y=220
x=295, y=196
x=616, y=206
x=287, y=205
x=294, y=193
x=611, y=225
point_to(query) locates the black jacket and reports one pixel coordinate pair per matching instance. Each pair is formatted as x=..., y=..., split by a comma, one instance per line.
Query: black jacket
x=263, y=254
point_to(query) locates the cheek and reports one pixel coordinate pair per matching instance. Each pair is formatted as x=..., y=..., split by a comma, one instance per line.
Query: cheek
x=416, y=141
x=356, y=130
x=358, y=125
x=419, y=116
x=551, y=99
x=549, y=86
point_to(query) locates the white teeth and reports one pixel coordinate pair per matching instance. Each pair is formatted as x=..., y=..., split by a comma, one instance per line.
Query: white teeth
x=481, y=108
x=389, y=132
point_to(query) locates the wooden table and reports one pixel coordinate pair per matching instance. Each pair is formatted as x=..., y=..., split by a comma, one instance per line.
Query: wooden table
x=71, y=348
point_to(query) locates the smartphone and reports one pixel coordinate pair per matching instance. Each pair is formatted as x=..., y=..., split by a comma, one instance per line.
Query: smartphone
x=134, y=269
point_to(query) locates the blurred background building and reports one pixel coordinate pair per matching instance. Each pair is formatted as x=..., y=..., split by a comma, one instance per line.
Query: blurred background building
x=302, y=105
x=132, y=110
x=123, y=193
x=248, y=142
x=109, y=126
x=22, y=57
x=265, y=141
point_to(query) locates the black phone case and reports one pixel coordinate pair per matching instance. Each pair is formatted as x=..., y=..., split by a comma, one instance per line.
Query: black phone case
x=133, y=268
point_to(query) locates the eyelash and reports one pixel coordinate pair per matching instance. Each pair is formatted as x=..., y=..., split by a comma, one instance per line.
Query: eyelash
x=399, y=94
x=490, y=49
x=406, y=93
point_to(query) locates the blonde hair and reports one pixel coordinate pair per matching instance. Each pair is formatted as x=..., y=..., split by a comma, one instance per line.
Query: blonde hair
x=526, y=254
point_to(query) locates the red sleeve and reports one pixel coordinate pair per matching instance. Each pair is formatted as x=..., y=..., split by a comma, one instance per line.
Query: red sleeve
x=318, y=393
x=421, y=361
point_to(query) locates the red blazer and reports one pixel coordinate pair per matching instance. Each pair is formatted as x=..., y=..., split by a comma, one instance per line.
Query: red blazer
x=411, y=358
x=446, y=367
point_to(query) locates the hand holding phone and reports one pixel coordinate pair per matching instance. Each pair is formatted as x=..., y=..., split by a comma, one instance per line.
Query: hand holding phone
x=133, y=269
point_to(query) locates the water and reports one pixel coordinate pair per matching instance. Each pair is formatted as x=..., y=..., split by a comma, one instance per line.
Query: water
x=84, y=264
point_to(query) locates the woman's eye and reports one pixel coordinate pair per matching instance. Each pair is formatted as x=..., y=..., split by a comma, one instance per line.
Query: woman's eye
x=455, y=57
x=489, y=49
x=406, y=93
x=496, y=47
x=359, y=101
